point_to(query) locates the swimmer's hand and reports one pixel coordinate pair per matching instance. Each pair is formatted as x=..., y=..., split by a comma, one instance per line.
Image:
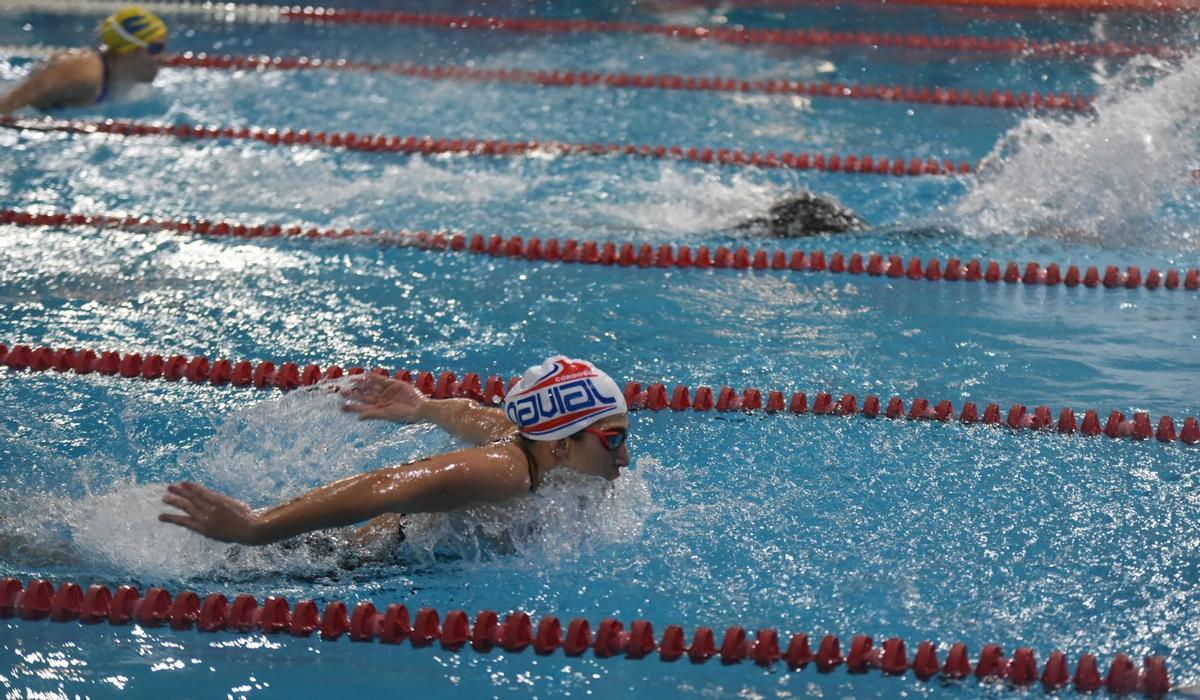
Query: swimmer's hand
x=212, y=514
x=374, y=396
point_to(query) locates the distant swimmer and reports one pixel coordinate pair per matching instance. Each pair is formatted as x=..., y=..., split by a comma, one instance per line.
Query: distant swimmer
x=562, y=414
x=805, y=214
x=132, y=40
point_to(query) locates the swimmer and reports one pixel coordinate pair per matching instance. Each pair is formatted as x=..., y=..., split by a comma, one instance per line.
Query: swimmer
x=132, y=39
x=563, y=414
x=805, y=214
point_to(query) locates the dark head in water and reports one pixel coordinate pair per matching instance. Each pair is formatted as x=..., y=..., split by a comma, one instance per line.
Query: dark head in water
x=805, y=214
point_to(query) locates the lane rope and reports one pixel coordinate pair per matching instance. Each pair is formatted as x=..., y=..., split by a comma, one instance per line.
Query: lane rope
x=645, y=255
x=1163, y=6
x=1042, y=5
x=1000, y=46
x=288, y=376
x=952, y=97
x=1004, y=99
x=516, y=633
x=426, y=145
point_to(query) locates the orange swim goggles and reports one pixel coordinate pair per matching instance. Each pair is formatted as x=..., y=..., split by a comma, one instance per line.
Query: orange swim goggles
x=612, y=439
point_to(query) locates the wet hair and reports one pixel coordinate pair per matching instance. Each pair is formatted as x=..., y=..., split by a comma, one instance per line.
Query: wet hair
x=805, y=214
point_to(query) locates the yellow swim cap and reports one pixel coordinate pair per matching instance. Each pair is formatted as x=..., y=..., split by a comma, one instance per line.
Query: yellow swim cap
x=131, y=28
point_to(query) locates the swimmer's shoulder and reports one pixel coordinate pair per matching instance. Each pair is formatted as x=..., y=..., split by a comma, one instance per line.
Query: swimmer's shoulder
x=69, y=55
x=504, y=458
x=82, y=65
x=518, y=463
x=70, y=78
x=510, y=446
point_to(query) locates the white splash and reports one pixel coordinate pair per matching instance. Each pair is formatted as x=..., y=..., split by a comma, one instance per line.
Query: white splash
x=673, y=201
x=569, y=515
x=276, y=449
x=117, y=529
x=1119, y=176
x=121, y=528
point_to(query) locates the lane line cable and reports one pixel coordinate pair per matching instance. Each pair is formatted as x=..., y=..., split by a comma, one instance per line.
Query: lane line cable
x=516, y=632
x=426, y=145
x=792, y=37
x=288, y=376
x=935, y=95
x=645, y=255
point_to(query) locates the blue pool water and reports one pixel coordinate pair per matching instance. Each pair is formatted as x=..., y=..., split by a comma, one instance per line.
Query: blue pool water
x=918, y=530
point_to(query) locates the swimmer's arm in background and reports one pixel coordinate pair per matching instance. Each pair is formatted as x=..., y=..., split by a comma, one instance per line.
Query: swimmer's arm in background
x=29, y=93
x=380, y=528
x=374, y=396
x=442, y=483
x=53, y=84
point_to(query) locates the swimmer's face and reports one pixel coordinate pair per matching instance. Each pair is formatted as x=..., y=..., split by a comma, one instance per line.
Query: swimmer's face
x=141, y=65
x=586, y=452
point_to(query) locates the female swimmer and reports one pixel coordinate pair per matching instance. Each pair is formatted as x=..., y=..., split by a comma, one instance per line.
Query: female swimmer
x=131, y=41
x=562, y=414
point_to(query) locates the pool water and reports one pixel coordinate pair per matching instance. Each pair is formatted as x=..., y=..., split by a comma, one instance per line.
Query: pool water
x=920, y=530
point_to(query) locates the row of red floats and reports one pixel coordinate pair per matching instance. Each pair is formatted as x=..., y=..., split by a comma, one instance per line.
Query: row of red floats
x=262, y=375
x=865, y=165
x=516, y=633
x=1003, y=99
x=787, y=37
x=874, y=264
x=666, y=255
x=653, y=397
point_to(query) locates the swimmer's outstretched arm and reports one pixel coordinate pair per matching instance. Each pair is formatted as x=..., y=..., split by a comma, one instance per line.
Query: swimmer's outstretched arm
x=27, y=93
x=52, y=84
x=442, y=483
x=374, y=396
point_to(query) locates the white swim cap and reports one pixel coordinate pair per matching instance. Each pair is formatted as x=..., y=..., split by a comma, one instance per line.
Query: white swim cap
x=560, y=397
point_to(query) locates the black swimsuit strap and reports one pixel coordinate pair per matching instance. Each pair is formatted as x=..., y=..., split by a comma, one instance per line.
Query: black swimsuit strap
x=535, y=479
x=104, y=75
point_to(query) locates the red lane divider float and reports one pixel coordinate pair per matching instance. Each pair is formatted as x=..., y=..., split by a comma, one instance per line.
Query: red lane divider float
x=646, y=255
x=425, y=145
x=1005, y=99
x=794, y=37
x=1073, y=5
x=516, y=632
x=735, y=35
x=652, y=397
x=1047, y=5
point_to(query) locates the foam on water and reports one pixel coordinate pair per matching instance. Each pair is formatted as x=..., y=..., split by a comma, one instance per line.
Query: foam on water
x=674, y=200
x=568, y=516
x=1119, y=176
